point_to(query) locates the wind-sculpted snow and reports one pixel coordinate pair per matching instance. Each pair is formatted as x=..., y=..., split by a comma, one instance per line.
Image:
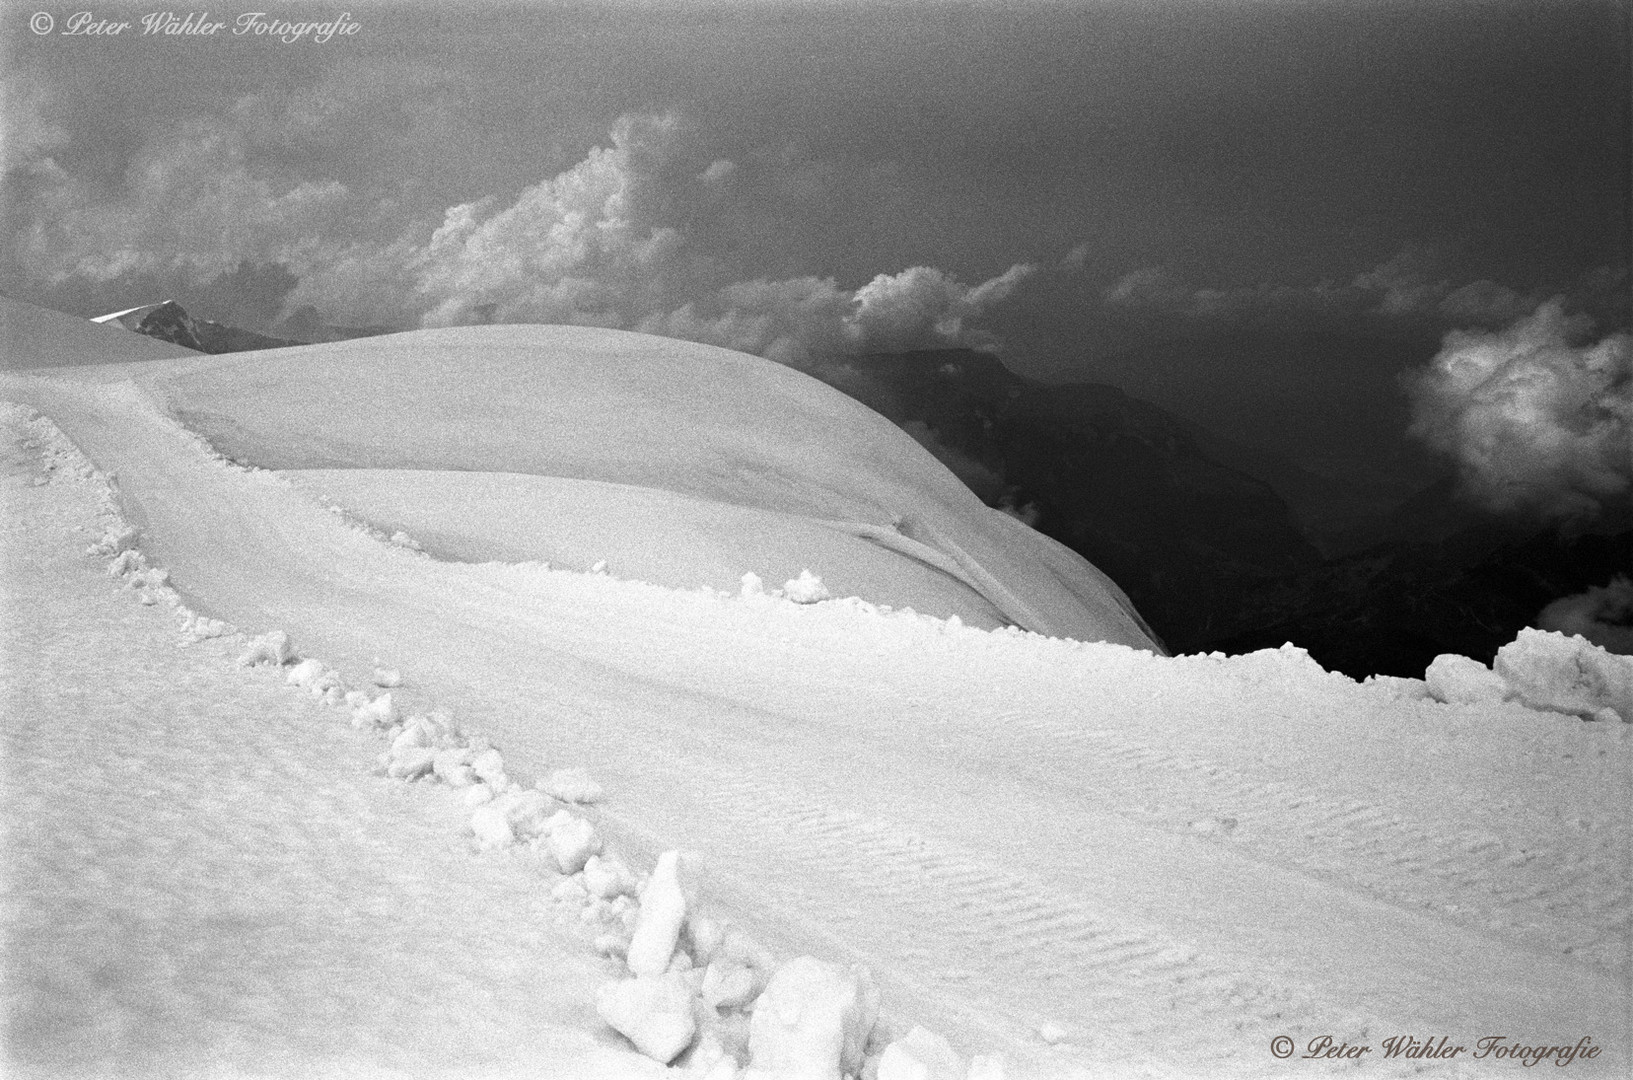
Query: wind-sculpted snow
x=724, y=429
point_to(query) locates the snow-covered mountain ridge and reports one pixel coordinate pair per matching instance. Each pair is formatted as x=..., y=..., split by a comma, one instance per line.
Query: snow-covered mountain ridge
x=169, y=321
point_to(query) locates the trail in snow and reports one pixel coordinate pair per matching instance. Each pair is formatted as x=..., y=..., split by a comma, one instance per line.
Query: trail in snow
x=202, y=878
x=1171, y=860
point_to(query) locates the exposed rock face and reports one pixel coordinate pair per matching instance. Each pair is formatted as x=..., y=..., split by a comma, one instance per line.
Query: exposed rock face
x=170, y=322
x=1392, y=609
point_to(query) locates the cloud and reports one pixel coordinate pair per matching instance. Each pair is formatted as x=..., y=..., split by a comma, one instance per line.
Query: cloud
x=607, y=243
x=627, y=237
x=1537, y=425
x=1408, y=285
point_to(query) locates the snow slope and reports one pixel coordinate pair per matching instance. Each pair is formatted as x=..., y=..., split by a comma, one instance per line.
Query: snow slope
x=582, y=403
x=1090, y=859
x=200, y=879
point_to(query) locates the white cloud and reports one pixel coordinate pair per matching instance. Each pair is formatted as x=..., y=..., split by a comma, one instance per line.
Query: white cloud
x=1537, y=424
x=613, y=240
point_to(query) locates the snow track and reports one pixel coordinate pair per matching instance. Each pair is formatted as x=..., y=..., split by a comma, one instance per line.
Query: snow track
x=1161, y=864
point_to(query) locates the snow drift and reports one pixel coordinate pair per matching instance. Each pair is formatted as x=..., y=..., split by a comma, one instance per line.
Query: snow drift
x=721, y=462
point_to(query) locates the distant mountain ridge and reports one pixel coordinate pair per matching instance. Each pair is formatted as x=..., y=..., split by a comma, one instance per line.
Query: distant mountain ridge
x=1126, y=484
x=169, y=321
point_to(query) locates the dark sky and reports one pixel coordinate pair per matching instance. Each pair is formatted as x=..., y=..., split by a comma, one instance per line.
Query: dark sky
x=1241, y=210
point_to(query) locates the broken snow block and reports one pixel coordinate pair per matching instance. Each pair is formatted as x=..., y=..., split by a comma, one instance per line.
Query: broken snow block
x=703, y=937
x=378, y=713
x=272, y=648
x=126, y=562
x=410, y=763
x=453, y=767
x=1556, y=673
x=571, y=843
x=489, y=767
x=652, y=1011
x=305, y=673
x=813, y=1021
x=805, y=589
x=663, y=912
x=729, y=986
x=1457, y=680
x=492, y=826
x=526, y=811
x=921, y=1054
x=387, y=677
x=572, y=785
x=708, y=1059
x=606, y=877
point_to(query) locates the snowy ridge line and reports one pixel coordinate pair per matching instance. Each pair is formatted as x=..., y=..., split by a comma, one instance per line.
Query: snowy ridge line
x=688, y=985
x=1583, y=902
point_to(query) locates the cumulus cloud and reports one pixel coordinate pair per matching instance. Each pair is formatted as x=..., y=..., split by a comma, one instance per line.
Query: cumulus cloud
x=191, y=204
x=605, y=243
x=618, y=239
x=1537, y=424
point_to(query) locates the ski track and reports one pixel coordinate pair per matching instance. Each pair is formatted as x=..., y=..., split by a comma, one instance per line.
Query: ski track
x=1040, y=865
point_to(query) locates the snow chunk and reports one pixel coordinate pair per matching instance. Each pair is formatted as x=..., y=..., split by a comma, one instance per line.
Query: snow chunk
x=921, y=1054
x=453, y=767
x=116, y=539
x=126, y=562
x=572, y=842
x=272, y=648
x=515, y=815
x=708, y=1059
x=606, y=877
x=729, y=986
x=411, y=763
x=806, y=589
x=663, y=911
x=752, y=586
x=654, y=1012
x=492, y=826
x=813, y=1021
x=490, y=767
x=1457, y=680
x=528, y=812
x=1548, y=670
x=199, y=627
x=378, y=713
x=387, y=677
x=572, y=785
x=704, y=937
x=305, y=673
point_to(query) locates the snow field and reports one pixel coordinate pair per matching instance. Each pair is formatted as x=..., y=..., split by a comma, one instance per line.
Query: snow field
x=189, y=899
x=1190, y=773
x=697, y=991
